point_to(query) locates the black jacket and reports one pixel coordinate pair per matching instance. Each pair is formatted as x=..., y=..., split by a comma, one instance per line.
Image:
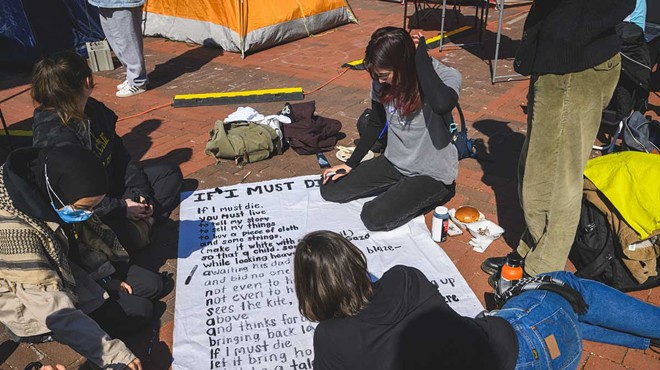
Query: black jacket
x=566, y=36
x=97, y=133
x=408, y=325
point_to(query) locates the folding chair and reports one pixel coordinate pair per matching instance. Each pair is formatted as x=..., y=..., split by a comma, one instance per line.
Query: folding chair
x=428, y=6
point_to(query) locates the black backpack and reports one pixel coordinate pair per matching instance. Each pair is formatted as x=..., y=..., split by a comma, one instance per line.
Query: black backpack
x=597, y=255
x=465, y=146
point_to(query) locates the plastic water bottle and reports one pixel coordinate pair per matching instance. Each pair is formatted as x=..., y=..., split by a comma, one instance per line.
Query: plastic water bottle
x=511, y=272
x=440, y=224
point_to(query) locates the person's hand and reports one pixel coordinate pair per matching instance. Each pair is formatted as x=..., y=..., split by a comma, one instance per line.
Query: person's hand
x=149, y=208
x=126, y=288
x=339, y=171
x=416, y=38
x=57, y=367
x=136, y=211
x=135, y=364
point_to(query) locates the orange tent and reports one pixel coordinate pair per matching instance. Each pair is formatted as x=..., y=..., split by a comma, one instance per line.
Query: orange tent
x=243, y=25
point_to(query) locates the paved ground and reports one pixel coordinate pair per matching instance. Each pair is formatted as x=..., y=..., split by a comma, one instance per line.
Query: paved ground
x=495, y=114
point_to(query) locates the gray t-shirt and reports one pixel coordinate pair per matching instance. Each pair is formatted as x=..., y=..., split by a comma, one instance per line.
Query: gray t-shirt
x=410, y=142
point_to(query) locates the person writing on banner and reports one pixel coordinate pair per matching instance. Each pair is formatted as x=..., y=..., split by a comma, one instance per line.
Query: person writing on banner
x=574, y=70
x=415, y=94
x=64, y=276
x=66, y=114
x=401, y=321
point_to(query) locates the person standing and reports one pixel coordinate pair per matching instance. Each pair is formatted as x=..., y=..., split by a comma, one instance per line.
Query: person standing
x=571, y=50
x=120, y=20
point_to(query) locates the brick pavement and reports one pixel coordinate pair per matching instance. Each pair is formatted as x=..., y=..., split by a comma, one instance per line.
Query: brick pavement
x=494, y=113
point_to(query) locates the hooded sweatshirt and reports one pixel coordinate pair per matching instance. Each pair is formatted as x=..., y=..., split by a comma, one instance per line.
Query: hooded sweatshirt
x=408, y=325
x=97, y=133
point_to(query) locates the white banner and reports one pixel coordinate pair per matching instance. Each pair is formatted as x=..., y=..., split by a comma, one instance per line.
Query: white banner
x=236, y=307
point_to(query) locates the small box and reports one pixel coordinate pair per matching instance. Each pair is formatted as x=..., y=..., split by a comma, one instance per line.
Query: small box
x=99, y=56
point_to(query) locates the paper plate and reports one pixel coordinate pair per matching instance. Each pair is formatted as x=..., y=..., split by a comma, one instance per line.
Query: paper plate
x=344, y=154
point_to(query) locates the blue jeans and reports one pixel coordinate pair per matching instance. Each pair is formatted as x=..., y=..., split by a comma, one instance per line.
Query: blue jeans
x=550, y=333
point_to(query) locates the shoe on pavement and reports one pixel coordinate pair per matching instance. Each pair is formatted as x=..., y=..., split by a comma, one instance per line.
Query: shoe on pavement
x=129, y=90
x=494, y=264
x=121, y=85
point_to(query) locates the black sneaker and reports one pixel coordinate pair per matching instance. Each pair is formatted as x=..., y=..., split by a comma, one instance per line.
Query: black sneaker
x=493, y=264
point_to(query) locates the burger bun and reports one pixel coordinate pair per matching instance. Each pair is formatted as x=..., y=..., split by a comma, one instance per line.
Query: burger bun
x=467, y=214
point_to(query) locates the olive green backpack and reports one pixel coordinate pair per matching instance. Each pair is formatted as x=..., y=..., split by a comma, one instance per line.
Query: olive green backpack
x=244, y=142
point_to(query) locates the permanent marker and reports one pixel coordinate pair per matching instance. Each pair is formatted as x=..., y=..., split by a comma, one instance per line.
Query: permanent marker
x=191, y=275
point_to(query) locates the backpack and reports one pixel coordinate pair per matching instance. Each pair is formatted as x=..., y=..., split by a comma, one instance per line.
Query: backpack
x=639, y=133
x=465, y=146
x=244, y=142
x=597, y=255
x=362, y=122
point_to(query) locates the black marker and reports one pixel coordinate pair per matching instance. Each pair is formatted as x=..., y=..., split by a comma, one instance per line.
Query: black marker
x=191, y=275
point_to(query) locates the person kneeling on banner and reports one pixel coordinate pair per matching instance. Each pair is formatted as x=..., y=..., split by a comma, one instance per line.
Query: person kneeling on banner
x=401, y=321
x=415, y=95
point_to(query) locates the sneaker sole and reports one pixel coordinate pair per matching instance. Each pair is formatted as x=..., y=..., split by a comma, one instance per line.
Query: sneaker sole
x=487, y=268
x=129, y=95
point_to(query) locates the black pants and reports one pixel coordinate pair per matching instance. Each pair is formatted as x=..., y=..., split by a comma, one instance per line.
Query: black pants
x=124, y=313
x=165, y=180
x=399, y=198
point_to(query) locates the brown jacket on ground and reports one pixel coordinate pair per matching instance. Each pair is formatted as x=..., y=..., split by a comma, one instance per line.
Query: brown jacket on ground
x=640, y=256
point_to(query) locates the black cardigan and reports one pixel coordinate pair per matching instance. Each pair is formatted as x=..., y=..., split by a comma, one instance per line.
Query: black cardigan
x=438, y=100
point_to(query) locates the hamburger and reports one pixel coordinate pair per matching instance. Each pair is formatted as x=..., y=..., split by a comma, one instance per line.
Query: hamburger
x=467, y=214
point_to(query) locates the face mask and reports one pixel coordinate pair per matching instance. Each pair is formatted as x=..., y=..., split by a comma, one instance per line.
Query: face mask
x=68, y=214
x=71, y=215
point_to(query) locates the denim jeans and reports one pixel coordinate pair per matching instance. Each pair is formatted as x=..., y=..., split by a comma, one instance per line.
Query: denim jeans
x=550, y=333
x=398, y=200
x=563, y=117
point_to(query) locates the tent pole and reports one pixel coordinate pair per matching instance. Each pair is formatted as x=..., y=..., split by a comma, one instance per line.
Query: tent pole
x=241, y=16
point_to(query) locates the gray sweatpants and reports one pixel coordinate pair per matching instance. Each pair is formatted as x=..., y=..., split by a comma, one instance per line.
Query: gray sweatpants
x=122, y=29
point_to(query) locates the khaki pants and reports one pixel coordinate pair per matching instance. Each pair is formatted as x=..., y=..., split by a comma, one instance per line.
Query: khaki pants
x=564, y=114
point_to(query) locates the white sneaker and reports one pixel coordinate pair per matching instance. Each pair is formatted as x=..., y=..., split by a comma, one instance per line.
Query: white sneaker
x=121, y=85
x=129, y=90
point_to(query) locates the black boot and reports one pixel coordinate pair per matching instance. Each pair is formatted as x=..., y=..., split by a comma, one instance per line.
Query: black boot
x=494, y=264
